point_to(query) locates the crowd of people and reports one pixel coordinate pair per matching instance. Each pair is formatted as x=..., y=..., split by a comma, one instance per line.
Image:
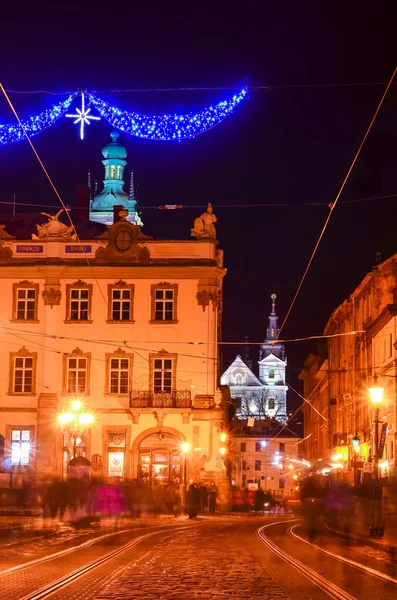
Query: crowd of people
x=79, y=500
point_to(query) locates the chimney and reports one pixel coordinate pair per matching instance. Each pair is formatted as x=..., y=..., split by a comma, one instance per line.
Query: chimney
x=82, y=205
x=116, y=209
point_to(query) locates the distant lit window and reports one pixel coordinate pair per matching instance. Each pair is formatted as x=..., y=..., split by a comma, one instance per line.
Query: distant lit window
x=20, y=447
x=25, y=302
x=271, y=373
x=112, y=171
x=273, y=332
x=118, y=176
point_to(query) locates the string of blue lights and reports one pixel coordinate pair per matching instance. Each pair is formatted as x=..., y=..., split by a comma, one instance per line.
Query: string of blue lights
x=166, y=127
x=34, y=124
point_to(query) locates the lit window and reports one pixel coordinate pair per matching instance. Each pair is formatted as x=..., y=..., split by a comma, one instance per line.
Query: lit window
x=107, y=172
x=118, y=176
x=20, y=447
x=76, y=375
x=112, y=171
x=164, y=303
x=25, y=302
x=271, y=373
x=119, y=375
x=162, y=374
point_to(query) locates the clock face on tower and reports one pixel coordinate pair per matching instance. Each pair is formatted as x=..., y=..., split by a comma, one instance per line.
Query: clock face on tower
x=123, y=241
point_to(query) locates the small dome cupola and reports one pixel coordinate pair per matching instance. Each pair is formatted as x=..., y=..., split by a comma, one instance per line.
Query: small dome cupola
x=113, y=194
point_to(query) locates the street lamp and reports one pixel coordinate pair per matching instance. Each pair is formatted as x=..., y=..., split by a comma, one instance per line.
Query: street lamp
x=356, y=449
x=75, y=422
x=376, y=530
x=185, y=447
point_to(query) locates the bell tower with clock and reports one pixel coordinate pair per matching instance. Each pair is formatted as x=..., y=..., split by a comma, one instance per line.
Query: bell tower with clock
x=113, y=194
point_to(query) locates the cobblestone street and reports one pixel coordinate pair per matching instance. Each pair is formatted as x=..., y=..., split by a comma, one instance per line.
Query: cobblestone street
x=210, y=561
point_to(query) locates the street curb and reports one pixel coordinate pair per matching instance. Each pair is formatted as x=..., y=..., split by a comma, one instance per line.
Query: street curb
x=390, y=548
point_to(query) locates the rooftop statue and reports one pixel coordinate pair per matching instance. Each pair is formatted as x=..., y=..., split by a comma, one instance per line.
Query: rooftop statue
x=54, y=228
x=204, y=225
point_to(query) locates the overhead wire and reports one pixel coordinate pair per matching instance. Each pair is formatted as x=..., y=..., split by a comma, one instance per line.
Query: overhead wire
x=334, y=203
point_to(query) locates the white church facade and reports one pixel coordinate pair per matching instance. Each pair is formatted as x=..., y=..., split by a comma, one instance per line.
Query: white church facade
x=263, y=396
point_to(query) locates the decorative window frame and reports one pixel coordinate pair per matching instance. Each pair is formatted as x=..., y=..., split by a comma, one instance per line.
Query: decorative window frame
x=32, y=440
x=77, y=353
x=120, y=353
x=23, y=353
x=163, y=286
x=25, y=285
x=121, y=285
x=78, y=285
x=162, y=354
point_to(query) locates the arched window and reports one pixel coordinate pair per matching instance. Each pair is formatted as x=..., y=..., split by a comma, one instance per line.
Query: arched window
x=112, y=171
x=239, y=379
x=271, y=373
x=273, y=332
x=271, y=403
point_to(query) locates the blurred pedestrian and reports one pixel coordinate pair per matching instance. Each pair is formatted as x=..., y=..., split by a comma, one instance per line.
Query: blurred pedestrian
x=212, y=495
x=192, y=500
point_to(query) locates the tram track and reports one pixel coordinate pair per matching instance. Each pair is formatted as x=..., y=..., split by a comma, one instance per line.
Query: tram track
x=36, y=586
x=332, y=590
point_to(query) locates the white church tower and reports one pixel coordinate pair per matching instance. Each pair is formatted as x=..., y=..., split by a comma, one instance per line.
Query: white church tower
x=264, y=396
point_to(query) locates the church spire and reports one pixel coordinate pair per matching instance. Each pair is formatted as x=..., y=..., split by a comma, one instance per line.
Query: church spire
x=272, y=330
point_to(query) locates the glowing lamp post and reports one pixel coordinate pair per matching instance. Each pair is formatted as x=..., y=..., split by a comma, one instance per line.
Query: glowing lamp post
x=75, y=422
x=185, y=447
x=376, y=530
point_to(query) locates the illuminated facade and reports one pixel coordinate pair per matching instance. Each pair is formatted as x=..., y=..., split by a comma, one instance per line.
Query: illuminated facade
x=336, y=383
x=127, y=324
x=264, y=396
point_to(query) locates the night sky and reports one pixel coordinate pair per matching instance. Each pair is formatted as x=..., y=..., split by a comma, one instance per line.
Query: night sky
x=289, y=144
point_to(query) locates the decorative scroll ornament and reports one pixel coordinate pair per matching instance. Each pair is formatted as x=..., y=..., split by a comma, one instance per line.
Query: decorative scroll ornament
x=34, y=124
x=167, y=127
x=52, y=295
x=5, y=250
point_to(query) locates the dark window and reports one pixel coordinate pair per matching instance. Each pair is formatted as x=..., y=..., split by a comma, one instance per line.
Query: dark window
x=162, y=375
x=121, y=304
x=119, y=368
x=244, y=465
x=238, y=403
x=271, y=373
x=23, y=375
x=257, y=465
x=282, y=447
x=164, y=305
x=79, y=299
x=281, y=484
x=26, y=304
x=243, y=447
x=271, y=403
x=258, y=446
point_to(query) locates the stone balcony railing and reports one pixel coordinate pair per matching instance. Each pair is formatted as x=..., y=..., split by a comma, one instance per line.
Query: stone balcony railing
x=150, y=399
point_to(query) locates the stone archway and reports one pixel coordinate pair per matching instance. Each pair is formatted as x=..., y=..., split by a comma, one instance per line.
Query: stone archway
x=158, y=456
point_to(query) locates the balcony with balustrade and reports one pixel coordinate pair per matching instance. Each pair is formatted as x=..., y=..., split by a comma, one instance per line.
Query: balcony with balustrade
x=150, y=399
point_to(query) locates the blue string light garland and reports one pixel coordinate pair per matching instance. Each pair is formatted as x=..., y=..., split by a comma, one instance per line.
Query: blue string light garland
x=34, y=124
x=167, y=127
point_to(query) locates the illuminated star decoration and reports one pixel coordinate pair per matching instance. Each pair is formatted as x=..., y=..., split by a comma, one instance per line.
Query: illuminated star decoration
x=83, y=117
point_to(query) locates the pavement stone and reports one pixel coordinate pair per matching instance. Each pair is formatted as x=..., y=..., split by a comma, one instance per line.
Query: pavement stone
x=204, y=563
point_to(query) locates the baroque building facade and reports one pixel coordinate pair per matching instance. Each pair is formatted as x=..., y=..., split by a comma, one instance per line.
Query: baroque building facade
x=263, y=396
x=361, y=347
x=97, y=310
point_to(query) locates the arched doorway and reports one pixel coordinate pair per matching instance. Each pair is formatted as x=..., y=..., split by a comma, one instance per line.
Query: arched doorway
x=160, y=458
